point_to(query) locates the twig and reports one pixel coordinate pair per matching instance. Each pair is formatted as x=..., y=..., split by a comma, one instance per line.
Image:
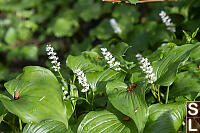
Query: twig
x=167, y=95
x=140, y=1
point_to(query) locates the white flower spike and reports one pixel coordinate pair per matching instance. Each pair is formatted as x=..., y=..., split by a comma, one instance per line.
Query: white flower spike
x=167, y=21
x=53, y=57
x=82, y=80
x=56, y=64
x=110, y=59
x=115, y=26
x=146, y=68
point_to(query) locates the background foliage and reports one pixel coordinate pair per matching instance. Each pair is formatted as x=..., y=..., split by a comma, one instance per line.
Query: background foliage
x=83, y=25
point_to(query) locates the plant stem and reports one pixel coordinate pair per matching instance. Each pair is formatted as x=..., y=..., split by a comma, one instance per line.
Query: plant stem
x=153, y=91
x=86, y=97
x=159, y=94
x=167, y=95
x=92, y=98
x=123, y=70
x=74, y=79
x=20, y=125
x=61, y=75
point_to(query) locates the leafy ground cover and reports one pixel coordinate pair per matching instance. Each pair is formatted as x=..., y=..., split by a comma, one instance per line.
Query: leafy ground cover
x=92, y=66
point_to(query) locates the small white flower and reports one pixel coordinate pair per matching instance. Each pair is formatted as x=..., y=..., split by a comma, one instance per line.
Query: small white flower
x=103, y=49
x=138, y=56
x=110, y=59
x=65, y=92
x=117, y=63
x=115, y=26
x=63, y=88
x=117, y=69
x=146, y=68
x=64, y=97
x=82, y=80
x=167, y=21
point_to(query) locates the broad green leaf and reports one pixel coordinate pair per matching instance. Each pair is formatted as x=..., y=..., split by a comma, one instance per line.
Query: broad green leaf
x=120, y=49
x=186, y=84
x=123, y=118
x=131, y=103
x=165, y=118
x=3, y=112
x=103, y=122
x=195, y=54
x=40, y=96
x=87, y=62
x=49, y=126
x=98, y=80
x=166, y=68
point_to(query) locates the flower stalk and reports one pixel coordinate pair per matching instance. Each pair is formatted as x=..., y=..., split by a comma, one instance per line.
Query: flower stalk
x=56, y=67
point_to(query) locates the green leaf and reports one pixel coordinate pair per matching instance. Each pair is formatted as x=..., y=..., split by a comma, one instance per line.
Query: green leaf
x=186, y=84
x=98, y=80
x=87, y=62
x=188, y=38
x=166, y=68
x=40, y=96
x=195, y=33
x=29, y=52
x=165, y=117
x=120, y=49
x=73, y=93
x=70, y=108
x=103, y=31
x=48, y=126
x=195, y=54
x=11, y=36
x=131, y=103
x=102, y=122
x=88, y=10
x=65, y=24
x=124, y=21
x=3, y=112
